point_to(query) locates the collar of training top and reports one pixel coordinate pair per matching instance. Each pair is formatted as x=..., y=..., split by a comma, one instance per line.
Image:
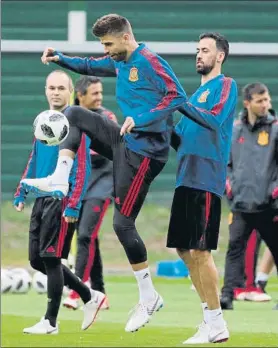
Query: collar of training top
x=261, y=121
x=135, y=53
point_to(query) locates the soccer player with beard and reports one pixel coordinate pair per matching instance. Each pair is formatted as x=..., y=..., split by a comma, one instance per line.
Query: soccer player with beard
x=203, y=152
x=148, y=93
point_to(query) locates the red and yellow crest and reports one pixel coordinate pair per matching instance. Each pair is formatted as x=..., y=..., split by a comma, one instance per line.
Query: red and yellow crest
x=133, y=74
x=263, y=138
x=203, y=97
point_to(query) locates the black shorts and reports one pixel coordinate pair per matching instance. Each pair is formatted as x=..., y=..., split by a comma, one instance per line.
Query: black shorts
x=49, y=234
x=133, y=174
x=195, y=220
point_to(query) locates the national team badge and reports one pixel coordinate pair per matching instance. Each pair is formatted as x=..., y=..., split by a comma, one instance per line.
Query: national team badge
x=263, y=138
x=133, y=75
x=203, y=97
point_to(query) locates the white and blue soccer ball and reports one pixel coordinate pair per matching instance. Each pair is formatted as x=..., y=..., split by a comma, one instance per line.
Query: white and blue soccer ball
x=21, y=280
x=51, y=127
x=6, y=281
x=39, y=282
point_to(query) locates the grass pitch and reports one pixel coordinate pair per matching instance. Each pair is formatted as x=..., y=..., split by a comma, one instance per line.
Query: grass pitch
x=250, y=324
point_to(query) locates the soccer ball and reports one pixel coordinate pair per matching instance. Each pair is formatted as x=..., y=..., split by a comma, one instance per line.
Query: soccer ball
x=51, y=127
x=39, y=282
x=21, y=280
x=6, y=280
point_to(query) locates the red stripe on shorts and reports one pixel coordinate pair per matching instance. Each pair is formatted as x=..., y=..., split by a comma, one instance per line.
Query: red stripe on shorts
x=208, y=204
x=135, y=187
x=63, y=230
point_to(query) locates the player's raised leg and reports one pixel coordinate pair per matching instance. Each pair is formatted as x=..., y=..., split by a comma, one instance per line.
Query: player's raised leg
x=81, y=121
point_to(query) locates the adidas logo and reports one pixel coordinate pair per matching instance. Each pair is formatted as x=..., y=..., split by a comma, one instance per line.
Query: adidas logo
x=50, y=249
x=146, y=276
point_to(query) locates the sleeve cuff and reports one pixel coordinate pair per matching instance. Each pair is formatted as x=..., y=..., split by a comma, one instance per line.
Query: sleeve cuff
x=275, y=193
x=71, y=212
x=18, y=200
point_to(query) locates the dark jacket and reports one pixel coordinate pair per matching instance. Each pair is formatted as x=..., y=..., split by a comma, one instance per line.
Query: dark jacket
x=253, y=167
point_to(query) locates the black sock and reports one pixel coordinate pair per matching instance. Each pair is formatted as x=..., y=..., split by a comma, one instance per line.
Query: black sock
x=74, y=283
x=55, y=284
x=96, y=273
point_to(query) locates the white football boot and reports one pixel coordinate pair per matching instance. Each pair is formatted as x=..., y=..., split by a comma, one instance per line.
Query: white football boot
x=218, y=334
x=201, y=336
x=141, y=314
x=105, y=305
x=91, y=308
x=209, y=334
x=45, y=186
x=43, y=327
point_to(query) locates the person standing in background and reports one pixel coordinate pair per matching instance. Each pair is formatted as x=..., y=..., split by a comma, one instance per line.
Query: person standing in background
x=88, y=265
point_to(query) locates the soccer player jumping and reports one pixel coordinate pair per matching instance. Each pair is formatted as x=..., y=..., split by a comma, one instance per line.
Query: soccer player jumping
x=148, y=93
x=203, y=152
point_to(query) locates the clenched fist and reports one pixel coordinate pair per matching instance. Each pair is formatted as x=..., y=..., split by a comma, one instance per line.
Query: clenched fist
x=48, y=56
x=128, y=125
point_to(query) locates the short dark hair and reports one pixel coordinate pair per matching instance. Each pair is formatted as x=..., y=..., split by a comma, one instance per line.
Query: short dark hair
x=222, y=43
x=82, y=85
x=253, y=88
x=111, y=24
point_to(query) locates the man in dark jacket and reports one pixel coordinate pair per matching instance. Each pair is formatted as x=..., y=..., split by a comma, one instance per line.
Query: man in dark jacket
x=88, y=266
x=252, y=184
x=256, y=278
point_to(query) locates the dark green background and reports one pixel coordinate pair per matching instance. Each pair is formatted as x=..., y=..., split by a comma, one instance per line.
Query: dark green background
x=23, y=75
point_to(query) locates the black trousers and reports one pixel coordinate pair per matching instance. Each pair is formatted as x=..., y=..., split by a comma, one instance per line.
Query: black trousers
x=240, y=229
x=88, y=258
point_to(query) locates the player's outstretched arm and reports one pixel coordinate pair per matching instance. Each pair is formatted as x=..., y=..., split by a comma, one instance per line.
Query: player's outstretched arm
x=20, y=194
x=103, y=66
x=223, y=107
